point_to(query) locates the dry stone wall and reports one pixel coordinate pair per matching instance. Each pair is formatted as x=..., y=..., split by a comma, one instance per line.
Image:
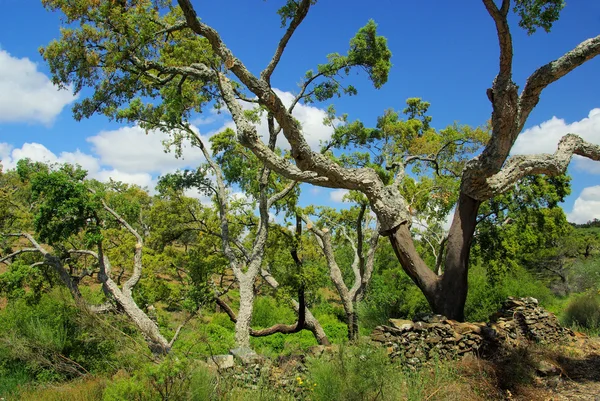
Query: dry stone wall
x=520, y=320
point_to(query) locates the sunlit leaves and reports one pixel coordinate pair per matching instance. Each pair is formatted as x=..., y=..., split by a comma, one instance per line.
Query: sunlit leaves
x=538, y=13
x=368, y=51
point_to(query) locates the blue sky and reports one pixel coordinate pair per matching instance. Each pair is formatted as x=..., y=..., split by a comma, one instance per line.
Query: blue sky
x=443, y=53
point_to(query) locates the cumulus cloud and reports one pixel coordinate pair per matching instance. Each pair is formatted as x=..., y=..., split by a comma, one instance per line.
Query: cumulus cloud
x=337, y=195
x=39, y=153
x=310, y=117
x=586, y=206
x=130, y=150
x=27, y=95
x=544, y=138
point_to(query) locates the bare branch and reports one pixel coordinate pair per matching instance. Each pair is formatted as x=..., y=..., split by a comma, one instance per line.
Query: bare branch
x=282, y=194
x=301, y=12
x=553, y=71
x=4, y=259
x=504, y=38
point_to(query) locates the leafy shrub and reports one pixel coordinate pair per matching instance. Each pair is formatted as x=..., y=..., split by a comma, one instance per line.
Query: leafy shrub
x=128, y=388
x=267, y=312
x=203, y=385
x=12, y=376
x=584, y=312
x=356, y=373
x=485, y=297
x=391, y=295
x=53, y=340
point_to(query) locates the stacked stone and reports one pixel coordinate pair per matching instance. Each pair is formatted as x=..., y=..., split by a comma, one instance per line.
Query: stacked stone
x=519, y=320
x=433, y=338
x=522, y=319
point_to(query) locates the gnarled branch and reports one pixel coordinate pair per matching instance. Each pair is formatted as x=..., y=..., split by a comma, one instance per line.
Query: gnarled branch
x=520, y=166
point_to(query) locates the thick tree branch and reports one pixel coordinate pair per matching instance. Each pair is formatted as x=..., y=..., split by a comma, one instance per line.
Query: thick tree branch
x=553, y=71
x=519, y=166
x=311, y=167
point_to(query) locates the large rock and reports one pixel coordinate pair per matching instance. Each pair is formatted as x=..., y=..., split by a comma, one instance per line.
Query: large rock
x=221, y=361
x=402, y=324
x=246, y=356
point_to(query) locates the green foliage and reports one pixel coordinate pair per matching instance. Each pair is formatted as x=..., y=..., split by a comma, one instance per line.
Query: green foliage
x=485, y=296
x=52, y=341
x=584, y=275
x=268, y=312
x=391, y=294
x=538, y=13
x=24, y=281
x=352, y=374
x=584, y=312
x=526, y=228
x=66, y=205
x=129, y=388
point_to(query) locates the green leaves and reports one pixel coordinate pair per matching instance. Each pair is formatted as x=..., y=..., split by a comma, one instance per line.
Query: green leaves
x=129, y=54
x=538, y=13
x=66, y=205
x=368, y=51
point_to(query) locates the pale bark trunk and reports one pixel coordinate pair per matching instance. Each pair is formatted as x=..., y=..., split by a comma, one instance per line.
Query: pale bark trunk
x=312, y=324
x=157, y=343
x=244, y=317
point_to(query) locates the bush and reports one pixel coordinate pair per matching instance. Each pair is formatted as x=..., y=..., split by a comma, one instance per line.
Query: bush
x=584, y=312
x=356, y=373
x=267, y=312
x=391, y=295
x=53, y=340
x=484, y=298
x=128, y=388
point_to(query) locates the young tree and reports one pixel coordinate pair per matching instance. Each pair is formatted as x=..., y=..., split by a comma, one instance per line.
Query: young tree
x=352, y=227
x=133, y=49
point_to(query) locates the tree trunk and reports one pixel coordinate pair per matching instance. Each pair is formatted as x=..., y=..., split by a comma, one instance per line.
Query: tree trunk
x=452, y=295
x=157, y=343
x=446, y=294
x=244, y=317
x=352, y=324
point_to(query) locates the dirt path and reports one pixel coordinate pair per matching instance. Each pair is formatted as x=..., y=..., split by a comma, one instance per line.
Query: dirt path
x=579, y=377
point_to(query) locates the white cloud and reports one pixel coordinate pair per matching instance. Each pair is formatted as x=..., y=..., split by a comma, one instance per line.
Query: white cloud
x=586, y=206
x=310, y=117
x=130, y=150
x=144, y=180
x=448, y=219
x=337, y=195
x=39, y=153
x=27, y=95
x=544, y=138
